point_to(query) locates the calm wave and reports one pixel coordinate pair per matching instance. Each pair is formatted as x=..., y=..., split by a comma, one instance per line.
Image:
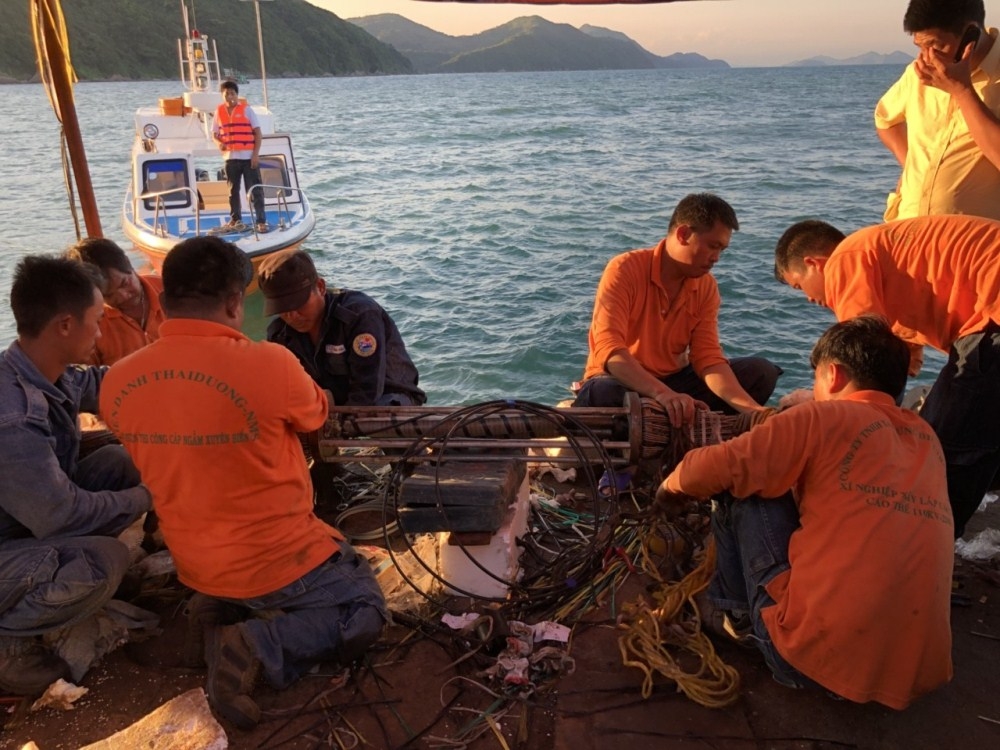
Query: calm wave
x=480, y=209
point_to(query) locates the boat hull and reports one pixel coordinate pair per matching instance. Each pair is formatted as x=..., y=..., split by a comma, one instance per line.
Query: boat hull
x=156, y=245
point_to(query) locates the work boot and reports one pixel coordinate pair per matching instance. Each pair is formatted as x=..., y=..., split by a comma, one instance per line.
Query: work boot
x=204, y=611
x=232, y=673
x=29, y=668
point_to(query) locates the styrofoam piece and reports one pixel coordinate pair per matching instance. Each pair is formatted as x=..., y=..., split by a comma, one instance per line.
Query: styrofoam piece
x=501, y=556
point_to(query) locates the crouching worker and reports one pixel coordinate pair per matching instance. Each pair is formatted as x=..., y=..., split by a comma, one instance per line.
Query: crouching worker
x=59, y=513
x=210, y=417
x=844, y=579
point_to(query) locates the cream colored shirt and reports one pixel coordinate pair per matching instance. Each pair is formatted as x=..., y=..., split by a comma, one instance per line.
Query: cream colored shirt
x=945, y=171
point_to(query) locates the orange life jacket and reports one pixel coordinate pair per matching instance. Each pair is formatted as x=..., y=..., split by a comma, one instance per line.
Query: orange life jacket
x=235, y=130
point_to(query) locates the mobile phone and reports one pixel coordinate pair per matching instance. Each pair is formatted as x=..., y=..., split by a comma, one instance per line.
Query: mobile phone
x=970, y=36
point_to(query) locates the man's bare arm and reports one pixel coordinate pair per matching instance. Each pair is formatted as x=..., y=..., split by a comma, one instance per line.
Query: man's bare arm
x=894, y=139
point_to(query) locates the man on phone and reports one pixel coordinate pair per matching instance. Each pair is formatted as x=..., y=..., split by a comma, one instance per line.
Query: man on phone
x=940, y=119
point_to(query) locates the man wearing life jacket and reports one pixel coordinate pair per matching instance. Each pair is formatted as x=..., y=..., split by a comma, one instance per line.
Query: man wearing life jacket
x=237, y=132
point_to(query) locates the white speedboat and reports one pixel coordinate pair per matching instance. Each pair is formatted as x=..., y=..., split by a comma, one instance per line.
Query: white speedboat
x=178, y=186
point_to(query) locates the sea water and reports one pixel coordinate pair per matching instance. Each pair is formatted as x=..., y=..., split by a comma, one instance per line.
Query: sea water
x=480, y=209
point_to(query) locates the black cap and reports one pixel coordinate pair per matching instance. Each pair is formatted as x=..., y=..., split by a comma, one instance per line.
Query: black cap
x=286, y=279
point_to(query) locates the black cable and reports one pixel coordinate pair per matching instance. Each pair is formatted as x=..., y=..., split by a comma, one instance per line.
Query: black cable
x=578, y=565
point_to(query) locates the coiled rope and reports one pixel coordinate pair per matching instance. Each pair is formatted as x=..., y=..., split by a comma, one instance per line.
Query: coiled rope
x=675, y=622
x=652, y=632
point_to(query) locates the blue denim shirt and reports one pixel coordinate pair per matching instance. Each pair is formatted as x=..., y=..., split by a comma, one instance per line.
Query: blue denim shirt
x=39, y=447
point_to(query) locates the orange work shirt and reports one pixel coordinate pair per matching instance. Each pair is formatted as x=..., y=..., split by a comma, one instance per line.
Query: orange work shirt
x=935, y=278
x=864, y=609
x=632, y=311
x=210, y=419
x=122, y=335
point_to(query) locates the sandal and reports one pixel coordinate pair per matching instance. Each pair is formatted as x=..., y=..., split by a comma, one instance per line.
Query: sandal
x=263, y=228
x=621, y=480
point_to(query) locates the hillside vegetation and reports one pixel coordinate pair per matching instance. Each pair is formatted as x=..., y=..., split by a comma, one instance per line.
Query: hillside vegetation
x=137, y=39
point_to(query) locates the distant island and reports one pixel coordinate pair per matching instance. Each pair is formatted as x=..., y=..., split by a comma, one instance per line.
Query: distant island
x=529, y=43
x=869, y=58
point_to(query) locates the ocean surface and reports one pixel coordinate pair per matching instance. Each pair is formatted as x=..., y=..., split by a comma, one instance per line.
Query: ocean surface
x=480, y=209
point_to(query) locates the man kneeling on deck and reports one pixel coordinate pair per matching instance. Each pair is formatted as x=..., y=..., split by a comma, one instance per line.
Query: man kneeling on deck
x=59, y=513
x=844, y=580
x=211, y=418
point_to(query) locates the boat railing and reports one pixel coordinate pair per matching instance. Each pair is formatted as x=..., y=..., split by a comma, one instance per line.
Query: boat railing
x=281, y=194
x=160, y=207
x=160, y=197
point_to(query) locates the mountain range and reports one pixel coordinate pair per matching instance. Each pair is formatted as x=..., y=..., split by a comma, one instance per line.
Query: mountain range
x=869, y=58
x=133, y=40
x=526, y=43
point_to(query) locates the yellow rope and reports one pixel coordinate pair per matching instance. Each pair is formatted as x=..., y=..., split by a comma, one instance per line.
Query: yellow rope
x=42, y=17
x=58, y=22
x=651, y=634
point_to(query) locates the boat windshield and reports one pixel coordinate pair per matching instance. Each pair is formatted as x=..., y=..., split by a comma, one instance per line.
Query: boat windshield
x=161, y=175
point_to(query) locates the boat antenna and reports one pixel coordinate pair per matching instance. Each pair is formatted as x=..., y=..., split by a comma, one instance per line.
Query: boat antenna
x=56, y=71
x=260, y=46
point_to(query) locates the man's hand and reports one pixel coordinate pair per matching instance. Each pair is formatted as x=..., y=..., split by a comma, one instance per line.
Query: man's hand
x=680, y=408
x=933, y=68
x=673, y=504
x=796, y=397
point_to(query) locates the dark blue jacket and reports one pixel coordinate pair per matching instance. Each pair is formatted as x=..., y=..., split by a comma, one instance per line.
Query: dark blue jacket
x=360, y=358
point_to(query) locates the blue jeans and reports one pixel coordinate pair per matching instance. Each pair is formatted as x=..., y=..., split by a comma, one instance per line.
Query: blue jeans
x=237, y=169
x=963, y=407
x=751, y=544
x=333, y=612
x=47, y=584
x=756, y=375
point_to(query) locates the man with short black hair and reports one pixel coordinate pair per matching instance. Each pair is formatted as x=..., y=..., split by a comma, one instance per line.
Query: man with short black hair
x=59, y=513
x=237, y=131
x=832, y=528
x=937, y=279
x=231, y=487
x=941, y=119
x=655, y=324
x=132, y=311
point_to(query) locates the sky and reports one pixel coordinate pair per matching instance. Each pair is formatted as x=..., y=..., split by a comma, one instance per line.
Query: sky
x=744, y=33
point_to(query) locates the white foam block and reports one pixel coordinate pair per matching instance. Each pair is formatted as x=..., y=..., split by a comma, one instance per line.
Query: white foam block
x=501, y=556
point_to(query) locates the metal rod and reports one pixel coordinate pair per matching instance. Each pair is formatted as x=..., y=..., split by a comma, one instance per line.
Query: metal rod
x=260, y=45
x=330, y=451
